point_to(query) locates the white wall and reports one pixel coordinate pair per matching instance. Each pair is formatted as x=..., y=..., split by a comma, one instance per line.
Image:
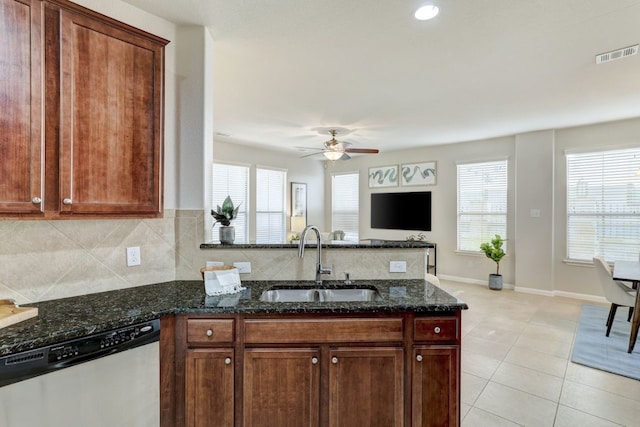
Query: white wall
x=194, y=103
x=532, y=246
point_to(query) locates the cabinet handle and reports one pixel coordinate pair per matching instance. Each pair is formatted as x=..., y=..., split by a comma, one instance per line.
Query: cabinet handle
x=227, y=361
x=37, y=200
x=209, y=332
x=314, y=360
x=66, y=201
x=334, y=360
x=419, y=358
x=436, y=329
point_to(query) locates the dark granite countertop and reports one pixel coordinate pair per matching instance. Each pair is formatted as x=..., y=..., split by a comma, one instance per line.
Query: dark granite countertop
x=337, y=244
x=69, y=318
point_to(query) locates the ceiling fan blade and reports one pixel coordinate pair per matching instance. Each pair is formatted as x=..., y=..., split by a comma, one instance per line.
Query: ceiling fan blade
x=345, y=156
x=312, y=154
x=362, y=150
x=308, y=149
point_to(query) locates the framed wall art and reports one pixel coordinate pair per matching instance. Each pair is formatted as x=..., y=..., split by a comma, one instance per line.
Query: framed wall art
x=383, y=176
x=418, y=173
x=299, y=200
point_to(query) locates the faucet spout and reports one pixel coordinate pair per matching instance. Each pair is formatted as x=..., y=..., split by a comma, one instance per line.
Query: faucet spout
x=320, y=270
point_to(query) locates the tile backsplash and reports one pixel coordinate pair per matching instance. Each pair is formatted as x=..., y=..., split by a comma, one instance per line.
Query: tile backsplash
x=44, y=260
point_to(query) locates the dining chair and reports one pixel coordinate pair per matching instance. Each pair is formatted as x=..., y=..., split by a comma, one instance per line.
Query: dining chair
x=617, y=293
x=629, y=286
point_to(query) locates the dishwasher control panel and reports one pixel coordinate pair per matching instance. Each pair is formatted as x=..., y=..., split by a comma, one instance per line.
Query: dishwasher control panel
x=27, y=364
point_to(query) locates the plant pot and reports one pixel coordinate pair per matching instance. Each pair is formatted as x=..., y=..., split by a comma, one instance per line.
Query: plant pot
x=227, y=234
x=495, y=282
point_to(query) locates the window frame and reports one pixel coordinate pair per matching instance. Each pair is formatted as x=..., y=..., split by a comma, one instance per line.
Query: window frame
x=283, y=208
x=352, y=235
x=242, y=231
x=487, y=228
x=591, y=206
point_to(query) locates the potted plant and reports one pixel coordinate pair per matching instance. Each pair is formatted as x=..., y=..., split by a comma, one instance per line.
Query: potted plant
x=494, y=251
x=224, y=215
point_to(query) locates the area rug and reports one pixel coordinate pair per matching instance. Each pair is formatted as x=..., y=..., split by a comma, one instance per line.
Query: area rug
x=592, y=348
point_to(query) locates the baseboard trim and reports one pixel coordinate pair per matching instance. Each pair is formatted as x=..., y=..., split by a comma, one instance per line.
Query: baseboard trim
x=484, y=283
x=532, y=291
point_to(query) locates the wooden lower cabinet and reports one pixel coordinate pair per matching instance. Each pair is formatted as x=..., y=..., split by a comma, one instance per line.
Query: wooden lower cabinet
x=281, y=387
x=234, y=371
x=366, y=387
x=436, y=386
x=209, y=388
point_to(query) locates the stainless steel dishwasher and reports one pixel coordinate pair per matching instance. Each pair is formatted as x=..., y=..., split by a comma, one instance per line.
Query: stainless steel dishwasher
x=103, y=380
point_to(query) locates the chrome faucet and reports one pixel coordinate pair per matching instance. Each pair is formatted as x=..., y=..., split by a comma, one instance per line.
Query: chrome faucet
x=320, y=270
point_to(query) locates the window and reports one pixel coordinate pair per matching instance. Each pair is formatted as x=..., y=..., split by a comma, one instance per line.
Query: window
x=482, y=203
x=270, y=205
x=233, y=181
x=345, y=205
x=603, y=205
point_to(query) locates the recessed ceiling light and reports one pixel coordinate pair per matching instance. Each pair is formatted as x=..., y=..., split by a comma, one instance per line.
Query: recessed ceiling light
x=426, y=12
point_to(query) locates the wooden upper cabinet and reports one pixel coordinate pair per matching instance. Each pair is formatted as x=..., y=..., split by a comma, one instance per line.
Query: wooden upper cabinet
x=111, y=118
x=21, y=107
x=87, y=139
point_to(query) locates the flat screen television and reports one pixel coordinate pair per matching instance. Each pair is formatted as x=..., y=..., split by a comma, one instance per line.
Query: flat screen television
x=401, y=211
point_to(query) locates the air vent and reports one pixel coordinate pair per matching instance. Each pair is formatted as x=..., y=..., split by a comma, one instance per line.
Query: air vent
x=616, y=54
x=25, y=357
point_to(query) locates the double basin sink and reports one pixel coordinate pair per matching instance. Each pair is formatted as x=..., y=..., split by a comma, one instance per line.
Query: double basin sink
x=343, y=293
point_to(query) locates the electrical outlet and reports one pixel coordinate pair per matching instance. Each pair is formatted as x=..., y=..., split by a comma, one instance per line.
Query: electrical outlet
x=133, y=256
x=397, y=266
x=243, y=267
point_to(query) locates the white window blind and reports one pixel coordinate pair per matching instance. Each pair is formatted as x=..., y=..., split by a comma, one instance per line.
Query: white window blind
x=270, y=206
x=233, y=181
x=345, y=205
x=603, y=205
x=482, y=203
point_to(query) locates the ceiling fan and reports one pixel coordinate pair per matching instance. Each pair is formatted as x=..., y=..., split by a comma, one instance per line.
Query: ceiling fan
x=338, y=150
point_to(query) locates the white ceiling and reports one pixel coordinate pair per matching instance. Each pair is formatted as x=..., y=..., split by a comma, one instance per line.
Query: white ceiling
x=482, y=68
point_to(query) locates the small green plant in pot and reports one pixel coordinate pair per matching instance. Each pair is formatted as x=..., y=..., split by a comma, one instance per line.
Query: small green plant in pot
x=494, y=251
x=224, y=215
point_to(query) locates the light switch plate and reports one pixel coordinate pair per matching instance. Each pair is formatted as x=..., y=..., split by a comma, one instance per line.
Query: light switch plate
x=243, y=267
x=397, y=266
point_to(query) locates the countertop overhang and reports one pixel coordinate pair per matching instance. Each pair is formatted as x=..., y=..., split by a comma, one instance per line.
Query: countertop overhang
x=69, y=318
x=334, y=244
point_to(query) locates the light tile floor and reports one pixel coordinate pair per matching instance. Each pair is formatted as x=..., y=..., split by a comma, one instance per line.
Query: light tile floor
x=516, y=367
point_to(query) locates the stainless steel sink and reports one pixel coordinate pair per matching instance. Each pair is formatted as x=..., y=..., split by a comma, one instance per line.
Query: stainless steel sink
x=337, y=295
x=289, y=295
x=320, y=295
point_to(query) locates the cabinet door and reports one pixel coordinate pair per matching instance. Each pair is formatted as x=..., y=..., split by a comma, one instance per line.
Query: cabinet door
x=209, y=394
x=281, y=387
x=366, y=387
x=21, y=100
x=111, y=118
x=436, y=392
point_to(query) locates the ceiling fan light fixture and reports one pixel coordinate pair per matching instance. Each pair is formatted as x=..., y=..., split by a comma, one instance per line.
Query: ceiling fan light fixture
x=427, y=12
x=333, y=155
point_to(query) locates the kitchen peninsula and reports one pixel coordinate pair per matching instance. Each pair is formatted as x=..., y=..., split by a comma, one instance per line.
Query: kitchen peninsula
x=222, y=356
